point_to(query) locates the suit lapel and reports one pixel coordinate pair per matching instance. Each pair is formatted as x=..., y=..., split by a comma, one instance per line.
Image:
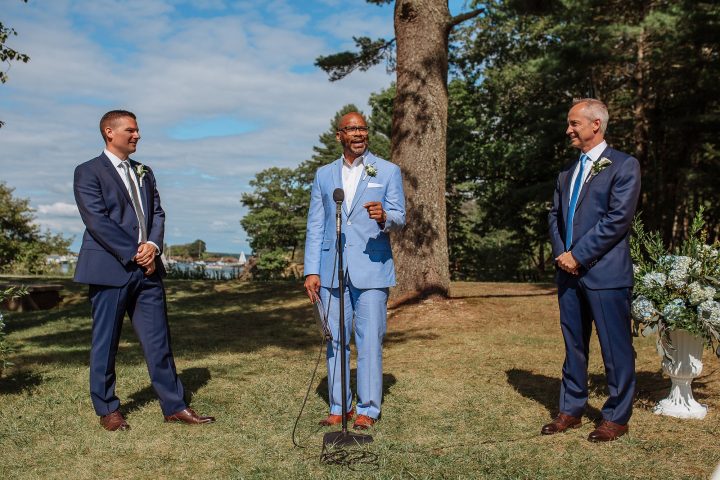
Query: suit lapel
x=591, y=177
x=114, y=176
x=364, y=180
x=565, y=201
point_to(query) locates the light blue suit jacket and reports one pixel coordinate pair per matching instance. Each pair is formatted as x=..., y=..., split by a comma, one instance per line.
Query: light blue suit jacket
x=367, y=256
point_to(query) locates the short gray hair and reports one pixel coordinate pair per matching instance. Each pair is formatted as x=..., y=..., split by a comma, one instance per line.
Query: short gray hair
x=596, y=110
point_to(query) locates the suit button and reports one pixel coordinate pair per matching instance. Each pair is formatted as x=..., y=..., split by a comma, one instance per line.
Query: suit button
x=134, y=228
x=349, y=222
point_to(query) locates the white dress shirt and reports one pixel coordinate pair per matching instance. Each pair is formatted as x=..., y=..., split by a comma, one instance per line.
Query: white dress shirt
x=351, y=175
x=593, y=156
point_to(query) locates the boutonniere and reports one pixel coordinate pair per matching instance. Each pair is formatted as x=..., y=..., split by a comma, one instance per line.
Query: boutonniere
x=601, y=165
x=370, y=171
x=140, y=170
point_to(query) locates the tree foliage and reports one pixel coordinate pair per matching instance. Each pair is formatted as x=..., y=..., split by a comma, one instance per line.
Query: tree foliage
x=652, y=62
x=23, y=247
x=194, y=250
x=8, y=54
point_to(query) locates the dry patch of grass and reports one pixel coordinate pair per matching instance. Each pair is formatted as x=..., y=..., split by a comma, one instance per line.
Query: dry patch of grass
x=468, y=383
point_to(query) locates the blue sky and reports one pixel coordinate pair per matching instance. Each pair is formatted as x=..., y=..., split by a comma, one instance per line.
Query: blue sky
x=222, y=90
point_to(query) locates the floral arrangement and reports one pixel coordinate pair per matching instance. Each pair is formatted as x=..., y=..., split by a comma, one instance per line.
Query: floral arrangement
x=370, y=170
x=676, y=290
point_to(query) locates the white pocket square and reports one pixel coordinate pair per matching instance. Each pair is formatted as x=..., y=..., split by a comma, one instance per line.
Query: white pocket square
x=375, y=185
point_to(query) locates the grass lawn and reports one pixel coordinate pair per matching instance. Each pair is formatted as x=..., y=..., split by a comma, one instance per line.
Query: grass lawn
x=468, y=383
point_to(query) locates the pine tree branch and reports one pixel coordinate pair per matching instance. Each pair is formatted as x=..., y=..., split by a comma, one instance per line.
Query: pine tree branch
x=458, y=19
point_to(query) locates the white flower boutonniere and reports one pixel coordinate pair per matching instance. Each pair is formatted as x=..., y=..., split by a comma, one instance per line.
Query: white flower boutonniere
x=140, y=170
x=370, y=171
x=601, y=165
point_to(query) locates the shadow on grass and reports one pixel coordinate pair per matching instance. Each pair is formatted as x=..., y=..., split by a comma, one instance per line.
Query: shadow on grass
x=650, y=388
x=505, y=295
x=193, y=379
x=204, y=317
x=22, y=381
x=546, y=390
x=389, y=381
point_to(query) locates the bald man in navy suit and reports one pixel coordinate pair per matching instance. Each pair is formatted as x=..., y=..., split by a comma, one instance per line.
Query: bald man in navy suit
x=119, y=258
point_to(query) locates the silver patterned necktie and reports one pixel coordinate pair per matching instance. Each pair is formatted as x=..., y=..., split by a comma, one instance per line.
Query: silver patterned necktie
x=135, y=197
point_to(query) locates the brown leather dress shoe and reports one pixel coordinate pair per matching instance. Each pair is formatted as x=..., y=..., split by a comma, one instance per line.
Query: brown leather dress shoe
x=188, y=416
x=114, y=421
x=336, y=419
x=608, y=431
x=363, y=422
x=561, y=423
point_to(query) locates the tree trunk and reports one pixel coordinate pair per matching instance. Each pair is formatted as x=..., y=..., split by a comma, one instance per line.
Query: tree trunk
x=419, y=130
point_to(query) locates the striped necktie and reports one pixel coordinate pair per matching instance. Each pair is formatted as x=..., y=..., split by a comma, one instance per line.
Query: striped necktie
x=573, y=202
x=135, y=197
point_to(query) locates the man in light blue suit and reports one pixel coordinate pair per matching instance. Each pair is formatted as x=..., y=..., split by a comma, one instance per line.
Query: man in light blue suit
x=120, y=206
x=374, y=205
x=593, y=207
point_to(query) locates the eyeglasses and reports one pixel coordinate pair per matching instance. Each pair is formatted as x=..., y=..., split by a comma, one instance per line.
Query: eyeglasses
x=354, y=129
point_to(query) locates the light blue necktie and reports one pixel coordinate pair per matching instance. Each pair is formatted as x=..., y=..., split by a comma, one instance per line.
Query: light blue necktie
x=573, y=202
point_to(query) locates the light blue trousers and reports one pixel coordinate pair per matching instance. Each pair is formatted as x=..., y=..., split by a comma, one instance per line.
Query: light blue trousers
x=366, y=311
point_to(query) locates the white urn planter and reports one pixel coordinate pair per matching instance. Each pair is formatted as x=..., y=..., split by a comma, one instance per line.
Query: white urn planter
x=684, y=366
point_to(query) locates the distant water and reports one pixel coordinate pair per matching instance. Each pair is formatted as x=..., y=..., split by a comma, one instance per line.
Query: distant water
x=224, y=272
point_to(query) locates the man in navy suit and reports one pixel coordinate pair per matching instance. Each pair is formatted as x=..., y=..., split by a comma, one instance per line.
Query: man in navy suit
x=374, y=205
x=119, y=259
x=593, y=207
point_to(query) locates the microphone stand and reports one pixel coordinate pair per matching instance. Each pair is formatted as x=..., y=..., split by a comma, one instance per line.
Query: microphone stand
x=343, y=437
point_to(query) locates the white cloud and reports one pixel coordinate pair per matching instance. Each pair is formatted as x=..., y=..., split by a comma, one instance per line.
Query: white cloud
x=59, y=209
x=238, y=61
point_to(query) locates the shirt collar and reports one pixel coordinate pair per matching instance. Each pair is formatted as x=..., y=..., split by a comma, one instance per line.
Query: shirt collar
x=594, y=153
x=355, y=163
x=114, y=158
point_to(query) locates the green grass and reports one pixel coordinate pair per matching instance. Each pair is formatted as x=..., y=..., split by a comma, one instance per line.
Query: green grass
x=468, y=383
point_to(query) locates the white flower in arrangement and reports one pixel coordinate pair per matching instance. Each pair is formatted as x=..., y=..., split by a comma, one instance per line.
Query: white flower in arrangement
x=699, y=293
x=677, y=277
x=654, y=279
x=710, y=312
x=636, y=269
x=643, y=309
x=710, y=251
x=675, y=310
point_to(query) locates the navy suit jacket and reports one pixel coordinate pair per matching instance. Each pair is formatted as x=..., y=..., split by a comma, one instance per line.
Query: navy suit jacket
x=601, y=224
x=110, y=240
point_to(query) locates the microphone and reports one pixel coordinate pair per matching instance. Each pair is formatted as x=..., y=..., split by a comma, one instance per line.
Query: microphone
x=338, y=197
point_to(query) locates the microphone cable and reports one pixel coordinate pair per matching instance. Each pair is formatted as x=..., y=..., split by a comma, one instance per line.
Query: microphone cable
x=317, y=362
